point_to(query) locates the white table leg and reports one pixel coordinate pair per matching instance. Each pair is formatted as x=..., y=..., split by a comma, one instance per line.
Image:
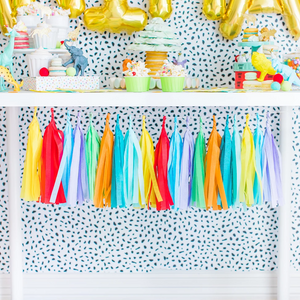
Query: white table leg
x=284, y=232
x=13, y=170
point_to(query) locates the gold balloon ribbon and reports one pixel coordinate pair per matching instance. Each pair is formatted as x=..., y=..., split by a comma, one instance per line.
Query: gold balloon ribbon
x=233, y=19
x=214, y=9
x=76, y=7
x=160, y=8
x=6, y=16
x=115, y=16
x=291, y=10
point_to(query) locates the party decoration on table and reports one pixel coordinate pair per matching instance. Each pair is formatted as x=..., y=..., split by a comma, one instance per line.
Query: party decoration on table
x=32, y=166
x=80, y=62
x=263, y=65
x=271, y=160
x=161, y=169
x=52, y=152
x=125, y=64
x=214, y=9
x=56, y=68
x=160, y=8
x=78, y=185
x=287, y=72
x=248, y=166
x=76, y=7
x=150, y=184
x=286, y=86
x=266, y=34
x=64, y=171
x=7, y=76
x=117, y=182
x=236, y=164
x=73, y=35
x=71, y=71
x=133, y=170
x=186, y=169
x=102, y=196
x=179, y=61
x=278, y=78
x=198, y=199
x=174, y=165
x=92, y=149
x=115, y=16
x=258, y=144
x=6, y=18
x=225, y=164
x=157, y=40
x=44, y=72
x=22, y=41
x=213, y=185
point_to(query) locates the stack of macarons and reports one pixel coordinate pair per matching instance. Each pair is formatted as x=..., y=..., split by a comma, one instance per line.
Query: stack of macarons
x=249, y=32
x=56, y=68
x=22, y=41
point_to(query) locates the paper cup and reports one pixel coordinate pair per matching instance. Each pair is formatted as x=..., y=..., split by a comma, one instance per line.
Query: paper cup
x=172, y=84
x=137, y=84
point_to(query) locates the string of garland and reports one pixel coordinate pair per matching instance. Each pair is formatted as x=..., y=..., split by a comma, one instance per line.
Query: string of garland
x=66, y=168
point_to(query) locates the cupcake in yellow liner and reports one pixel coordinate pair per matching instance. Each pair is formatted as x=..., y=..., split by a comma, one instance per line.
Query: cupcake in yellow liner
x=172, y=77
x=136, y=77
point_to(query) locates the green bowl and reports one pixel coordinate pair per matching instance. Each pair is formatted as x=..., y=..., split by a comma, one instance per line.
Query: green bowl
x=172, y=84
x=137, y=84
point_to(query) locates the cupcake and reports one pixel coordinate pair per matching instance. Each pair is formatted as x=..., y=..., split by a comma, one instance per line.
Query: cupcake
x=136, y=77
x=22, y=41
x=56, y=68
x=250, y=33
x=172, y=77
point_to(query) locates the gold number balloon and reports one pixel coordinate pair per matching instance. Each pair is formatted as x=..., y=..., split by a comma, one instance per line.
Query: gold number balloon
x=214, y=9
x=291, y=10
x=5, y=15
x=233, y=19
x=160, y=8
x=76, y=7
x=265, y=6
x=115, y=16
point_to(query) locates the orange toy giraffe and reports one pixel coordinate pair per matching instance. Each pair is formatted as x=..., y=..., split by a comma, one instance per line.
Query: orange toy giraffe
x=4, y=73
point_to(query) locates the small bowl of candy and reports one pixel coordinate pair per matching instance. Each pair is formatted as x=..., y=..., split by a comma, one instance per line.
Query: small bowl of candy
x=293, y=61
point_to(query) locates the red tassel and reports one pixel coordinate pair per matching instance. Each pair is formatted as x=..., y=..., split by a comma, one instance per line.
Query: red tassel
x=51, y=155
x=161, y=169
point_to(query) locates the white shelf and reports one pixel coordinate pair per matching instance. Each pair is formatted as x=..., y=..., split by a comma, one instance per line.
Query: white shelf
x=154, y=98
x=28, y=51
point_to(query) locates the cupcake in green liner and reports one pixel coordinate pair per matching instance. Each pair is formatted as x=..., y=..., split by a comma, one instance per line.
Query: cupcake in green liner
x=136, y=77
x=172, y=77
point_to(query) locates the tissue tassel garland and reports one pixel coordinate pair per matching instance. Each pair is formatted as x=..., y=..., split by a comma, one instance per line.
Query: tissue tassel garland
x=32, y=166
x=117, y=182
x=150, y=183
x=161, y=169
x=52, y=152
x=78, y=190
x=92, y=149
x=63, y=174
x=174, y=164
x=102, y=192
x=272, y=186
x=186, y=172
x=236, y=165
x=213, y=179
x=198, y=198
x=225, y=164
x=133, y=170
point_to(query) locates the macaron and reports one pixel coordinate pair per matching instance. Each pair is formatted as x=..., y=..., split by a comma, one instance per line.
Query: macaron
x=56, y=62
x=250, y=76
x=22, y=41
x=57, y=71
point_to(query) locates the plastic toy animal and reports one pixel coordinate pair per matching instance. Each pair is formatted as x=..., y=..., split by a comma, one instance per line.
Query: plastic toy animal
x=287, y=72
x=179, y=62
x=6, y=58
x=73, y=35
x=80, y=61
x=263, y=65
x=6, y=75
x=266, y=33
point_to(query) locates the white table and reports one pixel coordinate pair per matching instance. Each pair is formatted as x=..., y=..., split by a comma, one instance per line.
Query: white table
x=12, y=101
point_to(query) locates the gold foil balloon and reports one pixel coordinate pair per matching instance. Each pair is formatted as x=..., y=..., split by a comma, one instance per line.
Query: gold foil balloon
x=291, y=10
x=265, y=6
x=161, y=8
x=115, y=16
x=214, y=9
x=76, y=7
x=233, y=19
x=5, y=15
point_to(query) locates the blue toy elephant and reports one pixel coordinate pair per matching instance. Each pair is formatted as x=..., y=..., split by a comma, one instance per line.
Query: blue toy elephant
x=80, y=61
